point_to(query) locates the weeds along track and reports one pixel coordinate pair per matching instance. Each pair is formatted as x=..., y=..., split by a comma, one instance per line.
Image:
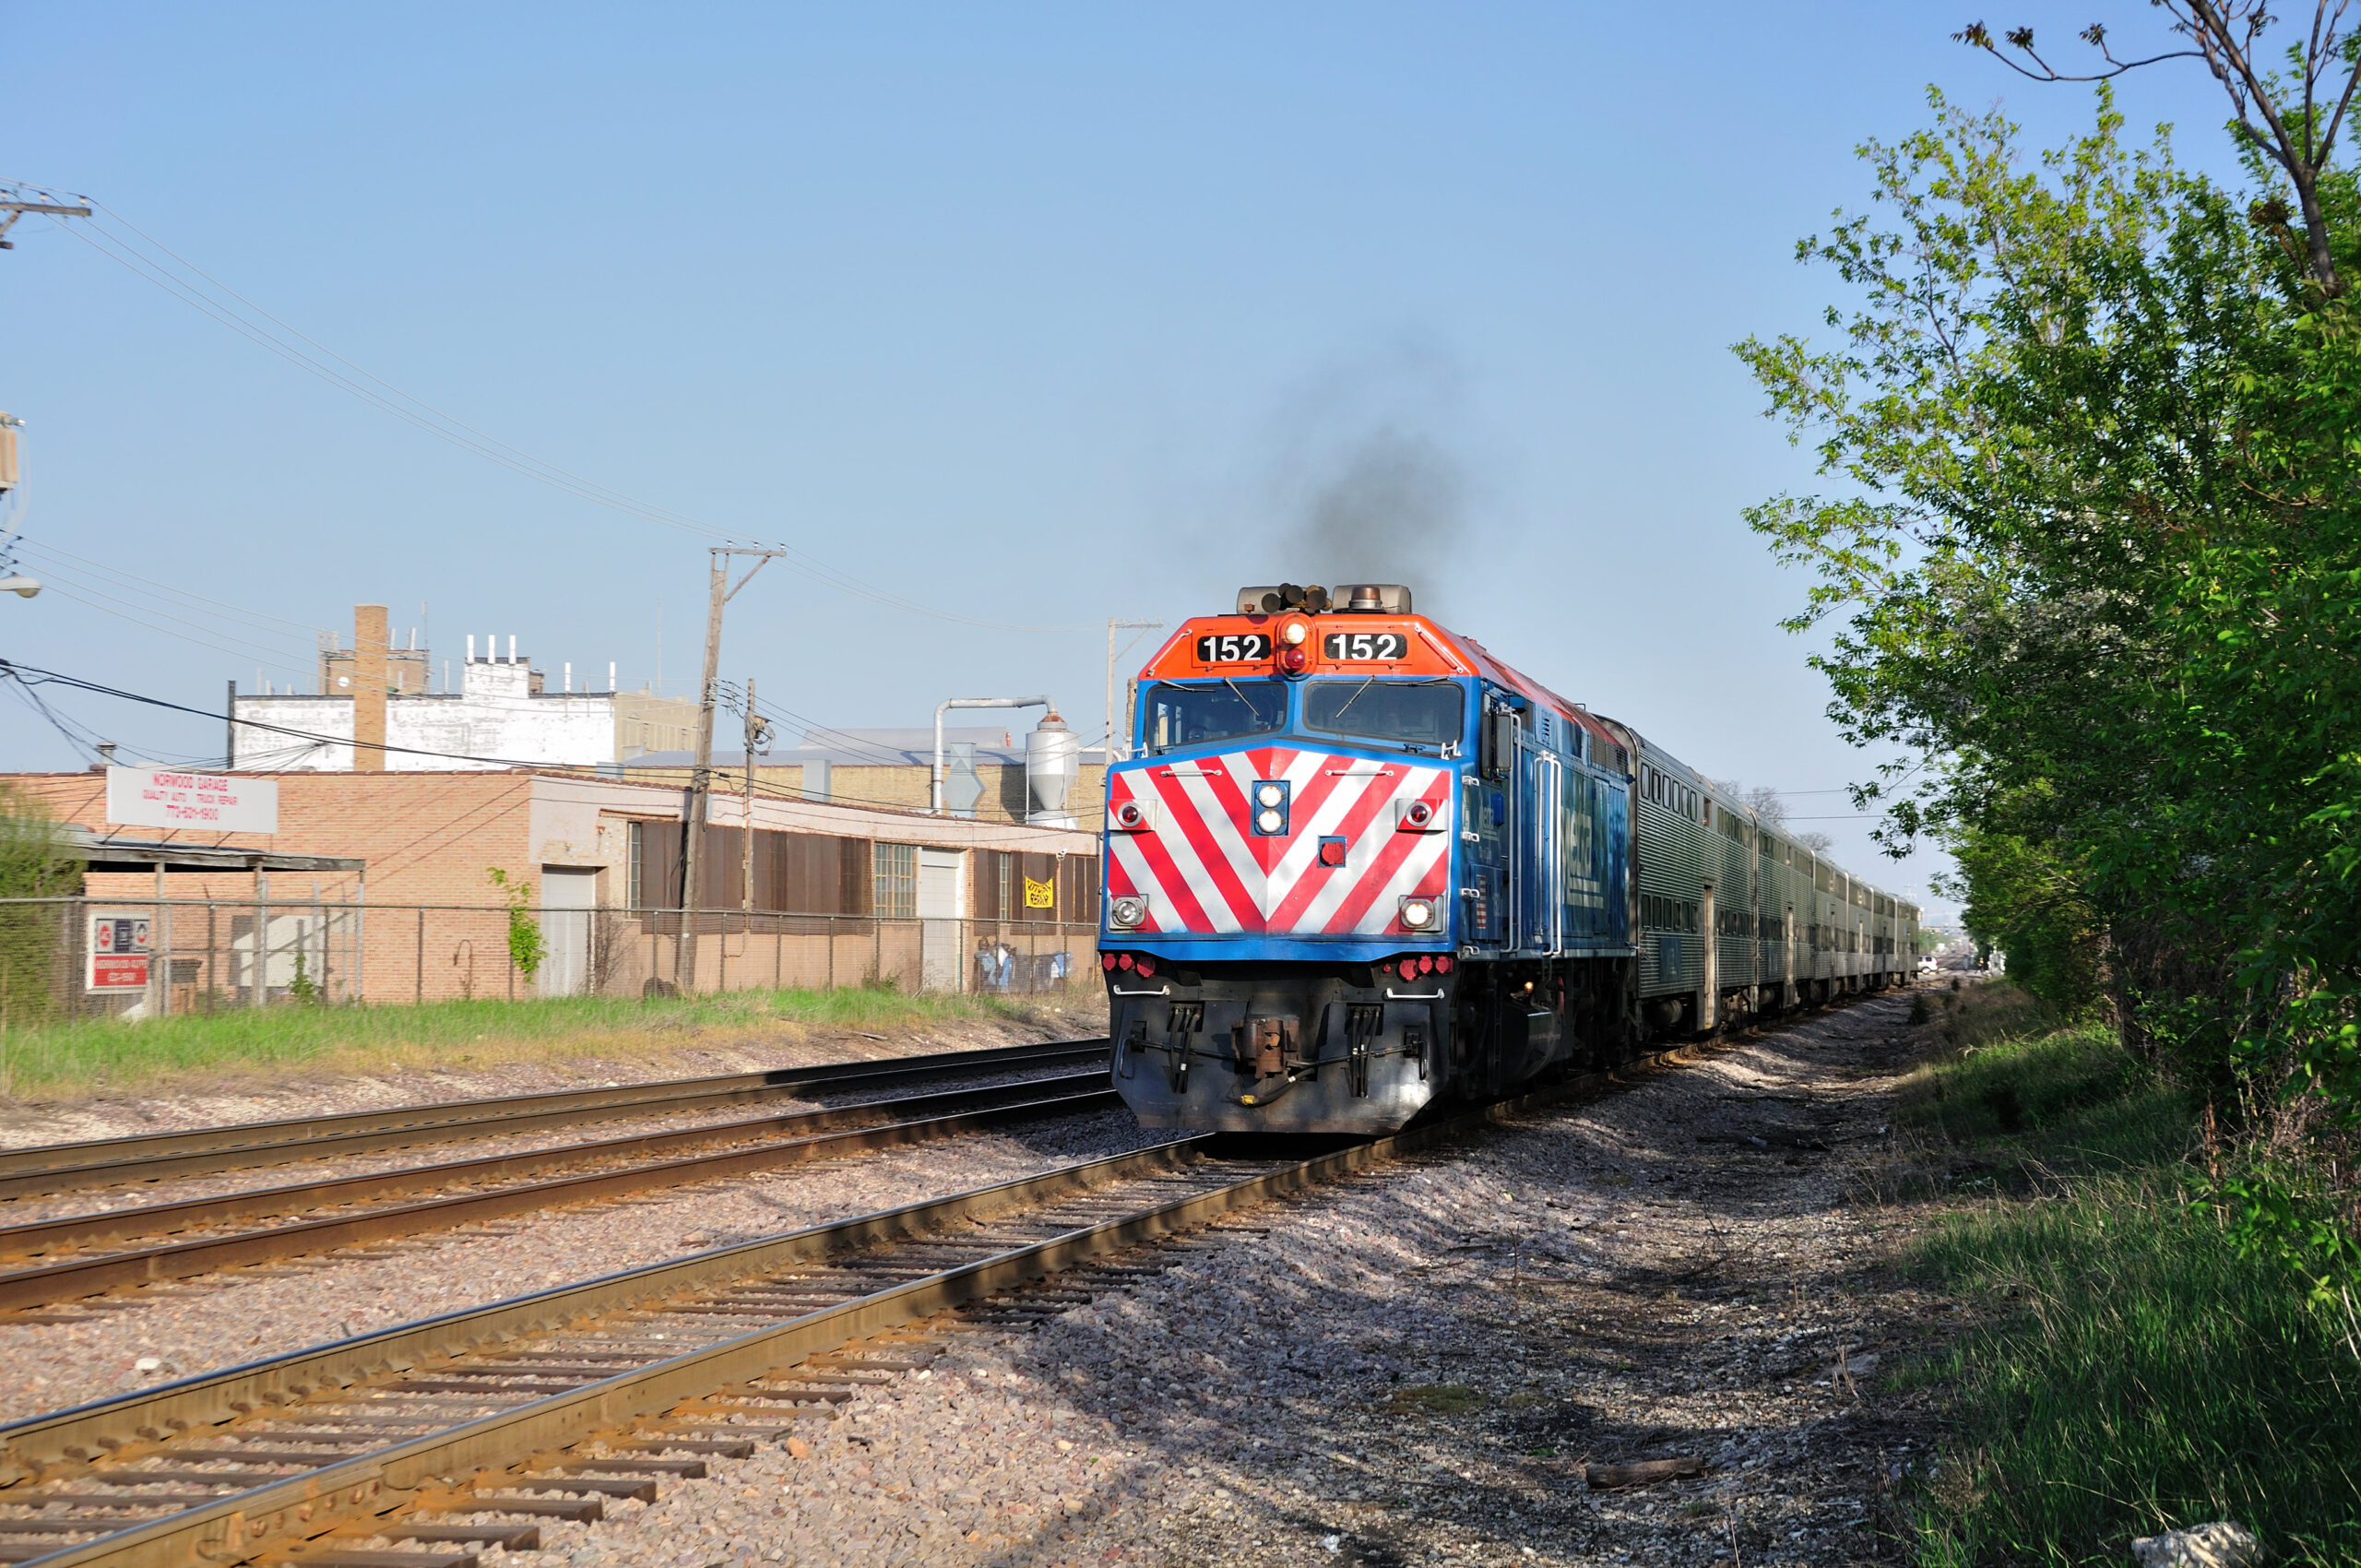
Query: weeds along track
x=155, y=1156
x=407, y=1447
x=52, y=1262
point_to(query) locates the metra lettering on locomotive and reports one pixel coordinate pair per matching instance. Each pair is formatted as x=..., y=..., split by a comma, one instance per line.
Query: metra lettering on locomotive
x=1354, y=866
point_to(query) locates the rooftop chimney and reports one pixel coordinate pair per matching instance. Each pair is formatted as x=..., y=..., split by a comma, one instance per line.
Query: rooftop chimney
x=369, y=688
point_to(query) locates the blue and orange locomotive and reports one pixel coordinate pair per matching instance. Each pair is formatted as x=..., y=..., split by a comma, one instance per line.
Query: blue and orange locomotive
x=1356, y=866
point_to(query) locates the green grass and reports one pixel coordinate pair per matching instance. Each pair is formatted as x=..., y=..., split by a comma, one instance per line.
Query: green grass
x=79, y=1059
x=2130, y=1373
x=2069, y=1097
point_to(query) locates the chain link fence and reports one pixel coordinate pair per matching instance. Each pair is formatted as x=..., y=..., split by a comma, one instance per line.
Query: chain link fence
x=75, y=957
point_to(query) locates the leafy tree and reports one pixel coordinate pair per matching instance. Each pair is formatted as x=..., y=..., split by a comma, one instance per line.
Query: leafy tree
x=2093, y=547
x=2290, y=120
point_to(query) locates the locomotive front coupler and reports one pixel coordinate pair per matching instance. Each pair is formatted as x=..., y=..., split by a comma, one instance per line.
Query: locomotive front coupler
x=1270, y=1026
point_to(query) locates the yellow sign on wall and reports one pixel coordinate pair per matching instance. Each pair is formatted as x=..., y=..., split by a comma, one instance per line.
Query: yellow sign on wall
x=1040, y=895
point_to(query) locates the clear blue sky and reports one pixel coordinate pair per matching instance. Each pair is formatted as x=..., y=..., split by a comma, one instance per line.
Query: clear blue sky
x=1038, y=314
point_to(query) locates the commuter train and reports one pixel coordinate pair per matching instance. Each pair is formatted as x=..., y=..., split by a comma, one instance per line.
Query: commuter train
x=1356, y=866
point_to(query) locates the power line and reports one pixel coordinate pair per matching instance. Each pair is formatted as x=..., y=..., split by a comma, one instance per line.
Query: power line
x=273, y=656
x=169, y=589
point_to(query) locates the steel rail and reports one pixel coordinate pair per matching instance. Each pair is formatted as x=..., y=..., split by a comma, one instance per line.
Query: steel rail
x=49, y=1284
x=146, y=1157
x=102, y=1226
x=355, y=1488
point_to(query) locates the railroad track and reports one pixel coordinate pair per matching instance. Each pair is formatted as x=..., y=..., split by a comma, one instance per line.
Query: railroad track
x=464, y=1429
x=154, y=1157
x=70, y=1256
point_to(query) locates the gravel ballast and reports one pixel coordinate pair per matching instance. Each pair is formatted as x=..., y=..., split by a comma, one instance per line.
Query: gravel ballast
x=259, y=1178
x=140, y=1337
x=1417, y=1366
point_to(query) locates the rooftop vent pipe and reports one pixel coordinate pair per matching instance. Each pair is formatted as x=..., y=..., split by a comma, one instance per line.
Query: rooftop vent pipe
x=935, y=795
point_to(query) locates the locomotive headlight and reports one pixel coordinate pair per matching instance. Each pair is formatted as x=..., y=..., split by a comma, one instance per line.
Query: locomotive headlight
x=1127, y=914
x=1269, y=820
x=1269, y=795
x=1417, y=914
x=1293, y=633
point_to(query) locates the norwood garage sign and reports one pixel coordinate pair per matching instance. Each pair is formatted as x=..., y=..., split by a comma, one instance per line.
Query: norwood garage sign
x=212, y=803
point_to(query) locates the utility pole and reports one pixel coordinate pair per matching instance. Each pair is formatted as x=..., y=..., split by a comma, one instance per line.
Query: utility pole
x=752, y=725
x=1123, y=744
x=720, y=592
x=11, y=580
x=14, y=204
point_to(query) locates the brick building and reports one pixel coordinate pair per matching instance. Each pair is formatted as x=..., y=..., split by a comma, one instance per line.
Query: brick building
x=840, y=893
x=894, y=768
x=502, y=711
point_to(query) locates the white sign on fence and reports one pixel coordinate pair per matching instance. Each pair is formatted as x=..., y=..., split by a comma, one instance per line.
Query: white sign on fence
x=164, y=797
x=119, y=952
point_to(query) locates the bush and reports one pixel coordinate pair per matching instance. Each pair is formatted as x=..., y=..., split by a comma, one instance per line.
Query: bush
x=35, y=862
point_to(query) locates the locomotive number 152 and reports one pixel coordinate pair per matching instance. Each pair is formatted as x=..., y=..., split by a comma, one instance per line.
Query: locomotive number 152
x=1242, y=647
x=1373, y=645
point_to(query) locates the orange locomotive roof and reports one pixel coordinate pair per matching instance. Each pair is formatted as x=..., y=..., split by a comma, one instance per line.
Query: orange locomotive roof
x=1208, y=647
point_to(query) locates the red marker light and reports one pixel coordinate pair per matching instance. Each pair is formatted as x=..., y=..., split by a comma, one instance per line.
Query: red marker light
x=1442, y=964
x=1147, y=966
x=1106, y=960
x=1425, y=963
x=1124, y=962
x=1293, y=660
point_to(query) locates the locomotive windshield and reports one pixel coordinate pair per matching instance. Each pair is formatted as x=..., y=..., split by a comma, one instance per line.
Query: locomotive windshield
x=1419, y=714
x=1219, y=710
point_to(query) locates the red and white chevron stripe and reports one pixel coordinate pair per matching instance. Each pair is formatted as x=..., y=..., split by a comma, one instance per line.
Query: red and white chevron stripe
x=1205, y=872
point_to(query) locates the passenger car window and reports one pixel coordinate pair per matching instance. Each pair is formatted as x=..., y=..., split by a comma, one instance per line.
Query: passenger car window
x=1217, y=711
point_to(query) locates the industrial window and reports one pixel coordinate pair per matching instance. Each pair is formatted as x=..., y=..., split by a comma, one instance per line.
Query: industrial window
x=638, y=848
x=895, y=869
x=1007, y=904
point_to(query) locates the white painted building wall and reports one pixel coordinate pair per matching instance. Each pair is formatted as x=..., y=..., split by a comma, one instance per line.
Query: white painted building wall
x=495, y=715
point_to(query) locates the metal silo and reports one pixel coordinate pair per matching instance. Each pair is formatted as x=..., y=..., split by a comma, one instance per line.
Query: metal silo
x=1052, y=756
